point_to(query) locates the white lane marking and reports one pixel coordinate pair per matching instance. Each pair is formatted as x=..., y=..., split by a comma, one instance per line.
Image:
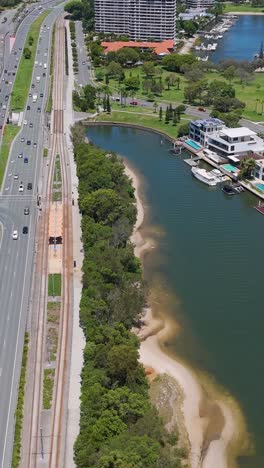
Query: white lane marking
x=4, y=343
x=0, y=371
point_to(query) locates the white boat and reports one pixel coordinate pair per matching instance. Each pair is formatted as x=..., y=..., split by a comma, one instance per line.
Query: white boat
x=205, y=176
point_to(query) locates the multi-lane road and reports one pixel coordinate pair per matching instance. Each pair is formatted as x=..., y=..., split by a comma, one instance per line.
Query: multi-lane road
x=16, y=256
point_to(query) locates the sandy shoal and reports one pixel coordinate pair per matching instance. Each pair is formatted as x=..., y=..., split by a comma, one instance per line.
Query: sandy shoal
x=152, y=355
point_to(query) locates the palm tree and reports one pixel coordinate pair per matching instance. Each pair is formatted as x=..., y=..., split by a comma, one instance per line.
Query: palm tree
x=247, y=167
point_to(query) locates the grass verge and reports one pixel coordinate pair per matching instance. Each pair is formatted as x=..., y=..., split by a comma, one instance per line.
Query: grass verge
x=20, y=407
x=48, y=384
x=246, y=8
x=9, y=134
x=144, y=119
x=54, y=285
x=23, y=77
x=45, y=152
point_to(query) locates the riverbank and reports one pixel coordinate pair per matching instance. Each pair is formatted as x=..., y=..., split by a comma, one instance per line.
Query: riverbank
x=210, y=424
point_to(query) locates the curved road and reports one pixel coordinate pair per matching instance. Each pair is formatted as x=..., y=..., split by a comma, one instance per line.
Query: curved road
x=16, y=256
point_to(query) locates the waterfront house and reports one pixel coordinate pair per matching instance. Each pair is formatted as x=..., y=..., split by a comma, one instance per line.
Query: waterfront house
x=232, y=142
x=259, y=169
x=200, y=130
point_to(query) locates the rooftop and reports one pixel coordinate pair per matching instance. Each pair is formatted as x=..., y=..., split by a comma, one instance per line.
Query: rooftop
x=208, y=122
x=160, y=48
x=237, y=132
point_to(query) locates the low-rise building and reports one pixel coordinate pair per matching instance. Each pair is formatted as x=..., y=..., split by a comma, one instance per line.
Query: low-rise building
x=259, y=170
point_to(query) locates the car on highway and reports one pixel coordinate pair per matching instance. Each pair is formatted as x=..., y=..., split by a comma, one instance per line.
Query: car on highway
x=31, y=125
x=21, y=187
x=41, y=94
x=26, y=210
x=20, y=155
x=29, y=186
x=25, y=122
x=39, y=109
x=22, y=139
x=25, y=160
x=15, y=235
x=34, y=145
x=28, y=107
x=16, y=176
x=83, y=62
x=44, y=74
x=28, y=142
x=30, y=95
x=32, y=85
x=25, y=230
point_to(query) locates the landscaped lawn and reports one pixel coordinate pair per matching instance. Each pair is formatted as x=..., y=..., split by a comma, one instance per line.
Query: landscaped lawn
x=23, y=77
x=252, y=94
x=233, y=7
x=9, y=134
x=144, y=119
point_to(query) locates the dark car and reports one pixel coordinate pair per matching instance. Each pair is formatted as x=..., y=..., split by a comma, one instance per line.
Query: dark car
x=39, y=109
x=29, y=186
x=41, y=94
x=44, y=74
x=32, y=86
x=28, y=107
x=25, y=230
x=133, y=103
x=25, y=160
x=28, y=142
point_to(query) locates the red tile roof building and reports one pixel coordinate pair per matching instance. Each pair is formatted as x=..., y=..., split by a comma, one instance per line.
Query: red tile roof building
x=159, y=48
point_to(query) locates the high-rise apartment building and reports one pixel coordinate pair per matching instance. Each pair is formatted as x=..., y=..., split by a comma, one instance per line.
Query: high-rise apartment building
x=143, y=20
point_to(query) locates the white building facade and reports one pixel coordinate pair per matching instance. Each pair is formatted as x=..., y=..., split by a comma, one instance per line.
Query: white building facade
x=145, y=20
x=200, y=130
x=235, y=141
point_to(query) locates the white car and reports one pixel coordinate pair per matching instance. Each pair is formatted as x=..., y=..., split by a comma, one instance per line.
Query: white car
x=21, y=188
x=16, y=176
x=20, y=155
x=15, y=234
x=25, y=122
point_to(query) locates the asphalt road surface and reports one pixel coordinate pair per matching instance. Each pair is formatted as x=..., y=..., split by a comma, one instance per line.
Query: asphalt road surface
x=16, y=256
x=84, y=64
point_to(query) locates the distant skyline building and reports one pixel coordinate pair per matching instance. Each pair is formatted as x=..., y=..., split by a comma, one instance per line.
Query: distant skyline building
x=143, y=20
x=201, y=4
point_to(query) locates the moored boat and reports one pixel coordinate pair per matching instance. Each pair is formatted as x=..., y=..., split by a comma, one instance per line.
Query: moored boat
x=205, y=176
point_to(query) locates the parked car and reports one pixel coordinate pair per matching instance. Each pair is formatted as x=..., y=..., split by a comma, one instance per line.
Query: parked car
x=201, y=109
x=133, y=103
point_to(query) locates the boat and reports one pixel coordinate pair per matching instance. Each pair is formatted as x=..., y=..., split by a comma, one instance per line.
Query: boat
x=232, y=189
x=205, y=176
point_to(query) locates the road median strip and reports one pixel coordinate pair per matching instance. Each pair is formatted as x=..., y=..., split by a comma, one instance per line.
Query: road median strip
x=24, y=73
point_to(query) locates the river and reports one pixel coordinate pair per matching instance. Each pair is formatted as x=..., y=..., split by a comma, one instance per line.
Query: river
x=242, y=40
x=209, y=259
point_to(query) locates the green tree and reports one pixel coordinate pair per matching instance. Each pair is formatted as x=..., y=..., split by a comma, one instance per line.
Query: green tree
x=229, y=73
x=183, y=129
x=132, y=83
x=103, y=205
x=149, y=68
x=27, y=53
x=167, y=116
x=160, y=114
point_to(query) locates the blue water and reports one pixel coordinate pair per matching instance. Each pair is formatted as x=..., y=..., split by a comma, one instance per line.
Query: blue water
x=193, y=144
x=260, y=186
x=242, y=40
x=208, y=254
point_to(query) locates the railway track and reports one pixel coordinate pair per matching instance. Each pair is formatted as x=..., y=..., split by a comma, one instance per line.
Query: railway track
x=54, y=456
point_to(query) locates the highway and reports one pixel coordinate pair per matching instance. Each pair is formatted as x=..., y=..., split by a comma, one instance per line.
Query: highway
x=16, y=256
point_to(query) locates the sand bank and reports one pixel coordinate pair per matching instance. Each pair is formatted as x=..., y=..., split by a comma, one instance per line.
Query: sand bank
x=207, y=445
